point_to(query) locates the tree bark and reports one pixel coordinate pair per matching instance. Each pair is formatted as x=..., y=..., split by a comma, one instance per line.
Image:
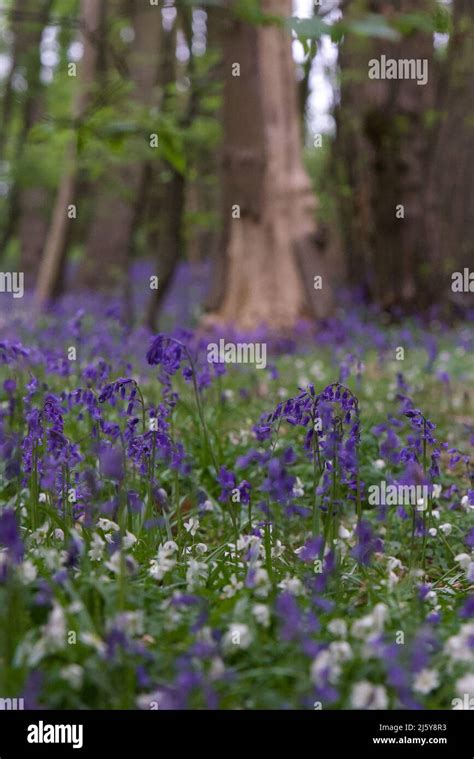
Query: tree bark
x=382, y=159
x=25, y=56
x=451, y=185
x=263, y=175
x=111, y=233
x=51, y=272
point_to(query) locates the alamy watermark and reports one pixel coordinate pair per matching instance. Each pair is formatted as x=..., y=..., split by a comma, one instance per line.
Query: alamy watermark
x=12, y=704
x=45, y=733
x=462, y=281
x=237, y=353
x=399, y=68
x=12, y=282
x=399, y=495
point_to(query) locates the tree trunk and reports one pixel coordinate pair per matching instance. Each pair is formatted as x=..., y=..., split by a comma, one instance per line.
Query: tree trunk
x=111, y=233
x=451, y=186
x=382, y=159
x=52, y=265
x=25, y=57
x=267, y=203
x=167, y=199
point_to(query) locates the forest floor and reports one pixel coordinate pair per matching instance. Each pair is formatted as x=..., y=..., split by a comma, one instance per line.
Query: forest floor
x=174, y=533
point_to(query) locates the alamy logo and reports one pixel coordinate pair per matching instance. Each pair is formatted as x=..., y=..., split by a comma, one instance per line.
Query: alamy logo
x=462, y=281
x=42, y=733
x=237, y=353
x=12, y=282
x=399, y=495
x=11, y=704
x=401, y=68
x=463, y=703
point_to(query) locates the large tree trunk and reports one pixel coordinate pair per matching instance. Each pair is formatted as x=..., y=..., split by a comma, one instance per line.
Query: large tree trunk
x=119, y=200
x=382, y=159
x=451, y=186
x=268, y=249
x=51, y=271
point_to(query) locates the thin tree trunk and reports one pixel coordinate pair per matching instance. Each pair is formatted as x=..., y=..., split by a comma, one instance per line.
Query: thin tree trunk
x=167, y=200
x=52, y=265
x=25, y=56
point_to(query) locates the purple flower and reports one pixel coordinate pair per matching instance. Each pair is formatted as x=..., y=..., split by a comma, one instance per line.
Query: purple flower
x=10, y=536
x=165, y=352
x=367, y=544
x=111, y=463
x=226, y=480
x=467, y=611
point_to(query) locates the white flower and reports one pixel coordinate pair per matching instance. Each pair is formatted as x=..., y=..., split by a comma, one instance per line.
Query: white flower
x=338, y=627
x=291, y=584
x=446, y=528
x=324, y=666
x=107, y=525
x=245, y=541
x=237, y=636
x=261, y=613
x=463, y=559
x=97, y=547
x=379, y=464
x=465, y=505
x=426, y=681
x=217, y=668
x=278, y=549
x=421, y=505
x=73, y=674
x=340, y=651
x=372, y=623
x=394, y=563
x=54, y=631
x=92, y=640
x=465, y=685
x=115, y=563
x=433, y=532
x=160, y=566
x=192, y=526
x=262, y=585
x=367, y=696
x=298, y=489
x=28, y=571
x=437, y=491
x=207, y=506
x=196, y=574
x=128, y=540
x=200, y=548
x=343, y=533
x=58, y=534
x=327, y=662
x=458, y=647
x=231, y=589
x=169, y=547
x=164, y=561
x=39, y=535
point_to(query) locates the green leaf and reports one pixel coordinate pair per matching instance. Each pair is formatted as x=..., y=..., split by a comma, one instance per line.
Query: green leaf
x=373, y=25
